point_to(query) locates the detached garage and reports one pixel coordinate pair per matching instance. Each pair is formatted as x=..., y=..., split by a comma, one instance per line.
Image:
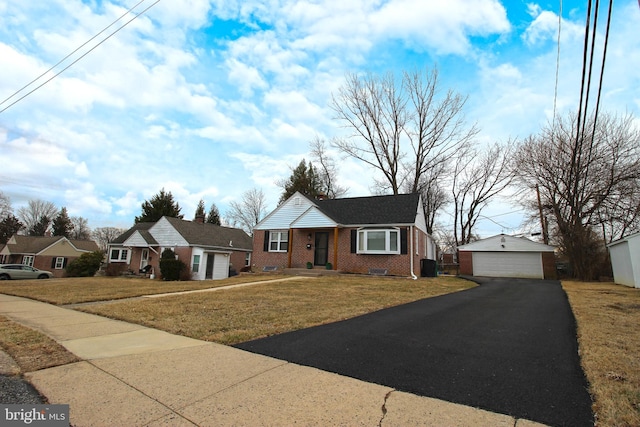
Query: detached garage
x=507, y=256
x=625, y=260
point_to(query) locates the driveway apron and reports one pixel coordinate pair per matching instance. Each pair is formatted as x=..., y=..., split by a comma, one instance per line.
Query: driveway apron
x=507, y=346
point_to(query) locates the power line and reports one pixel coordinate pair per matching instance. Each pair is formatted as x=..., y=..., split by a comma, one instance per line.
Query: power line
x=555, y=92
x=78, y=59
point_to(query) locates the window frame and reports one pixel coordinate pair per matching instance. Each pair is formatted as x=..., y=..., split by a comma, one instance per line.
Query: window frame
x=195, y=266
x=123, y=255
x=59, y=265
x=247, y=259
x=362, y=246
x=279, y=241
x=28, y=260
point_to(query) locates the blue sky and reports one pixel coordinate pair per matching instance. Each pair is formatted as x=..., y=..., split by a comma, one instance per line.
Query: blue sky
x=210, y=98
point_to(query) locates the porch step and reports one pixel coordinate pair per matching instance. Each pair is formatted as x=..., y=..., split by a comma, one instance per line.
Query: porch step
x=310, y=272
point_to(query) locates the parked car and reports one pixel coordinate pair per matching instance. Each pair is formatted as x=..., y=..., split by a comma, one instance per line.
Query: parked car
x=20, y=271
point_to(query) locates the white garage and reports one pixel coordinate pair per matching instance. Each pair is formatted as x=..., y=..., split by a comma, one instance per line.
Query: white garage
x=625, y=260
x=507, y=256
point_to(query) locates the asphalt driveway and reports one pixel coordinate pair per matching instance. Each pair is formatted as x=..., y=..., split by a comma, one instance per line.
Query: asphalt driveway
x=507, y=346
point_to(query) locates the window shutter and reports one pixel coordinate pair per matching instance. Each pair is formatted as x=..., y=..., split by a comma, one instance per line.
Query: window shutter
x=266, y=241
x=64, y=263
x=403, y=241
x=354, y=241
x=53, y=262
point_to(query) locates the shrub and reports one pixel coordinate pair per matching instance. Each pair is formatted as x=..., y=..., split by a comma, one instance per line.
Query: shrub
x=86, y=265
x=170, y=267
x=115, y=269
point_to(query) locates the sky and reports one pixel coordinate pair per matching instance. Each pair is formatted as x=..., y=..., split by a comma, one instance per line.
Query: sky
x=211, y=98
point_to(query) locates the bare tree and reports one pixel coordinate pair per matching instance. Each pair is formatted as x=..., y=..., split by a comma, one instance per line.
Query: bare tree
x=35, y=213
x=477, y=178
x=327, y=172
x=105, y=235
x=248, y=211
x=435, y=196
x=5, y=206
x=81, y=230
x=401, y=128
x=589, y=184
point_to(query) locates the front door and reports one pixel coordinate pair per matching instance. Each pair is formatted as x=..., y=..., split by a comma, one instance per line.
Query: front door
x=209, y=271
x=144, y=259
x=320, y=256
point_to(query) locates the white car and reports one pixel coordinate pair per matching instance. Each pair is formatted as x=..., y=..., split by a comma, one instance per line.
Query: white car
x=20, y=271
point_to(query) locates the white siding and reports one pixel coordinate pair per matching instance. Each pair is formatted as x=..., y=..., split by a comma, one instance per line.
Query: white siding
x=166, y=235
x=621, y=263
x=421, y=221
x=136, y=240
x=203, y=264
x=508, y=264
x=282, y=217
x=313, y=218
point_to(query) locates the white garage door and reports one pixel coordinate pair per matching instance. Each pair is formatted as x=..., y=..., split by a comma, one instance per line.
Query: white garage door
x=508, y=264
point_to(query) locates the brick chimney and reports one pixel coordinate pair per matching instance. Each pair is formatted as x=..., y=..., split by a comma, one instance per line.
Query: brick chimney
x=200, y=219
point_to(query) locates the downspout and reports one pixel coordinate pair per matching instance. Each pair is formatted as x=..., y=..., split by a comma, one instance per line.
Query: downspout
x=413, y=276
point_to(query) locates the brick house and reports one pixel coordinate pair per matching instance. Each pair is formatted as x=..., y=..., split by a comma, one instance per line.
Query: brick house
x=507, y=256
x=45, y=253
x=367, y=235
x=208, y=250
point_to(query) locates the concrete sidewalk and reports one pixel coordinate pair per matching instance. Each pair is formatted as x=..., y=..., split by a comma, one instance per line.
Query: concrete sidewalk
x=131, y=375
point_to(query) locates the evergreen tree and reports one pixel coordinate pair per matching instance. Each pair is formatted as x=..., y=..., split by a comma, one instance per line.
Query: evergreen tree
x=214, y=215
x=62, y=225
x=303, y=179
x=9, y=226
x=40, y=227
x=161, y=204
x=199, y=210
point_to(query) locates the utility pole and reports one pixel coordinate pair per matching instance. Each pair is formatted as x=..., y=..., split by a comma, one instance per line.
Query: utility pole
x=543, y=222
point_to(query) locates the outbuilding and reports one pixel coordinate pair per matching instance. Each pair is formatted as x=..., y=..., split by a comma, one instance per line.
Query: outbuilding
x=625, y=260
x=507, y=256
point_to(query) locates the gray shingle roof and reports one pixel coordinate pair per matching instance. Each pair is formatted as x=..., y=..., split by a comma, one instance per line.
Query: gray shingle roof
x=204, y=234
x=390, y=209
x=36, y=244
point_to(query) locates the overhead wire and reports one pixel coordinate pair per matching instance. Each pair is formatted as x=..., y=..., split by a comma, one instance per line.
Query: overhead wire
x=555, y=91
x=76, y=60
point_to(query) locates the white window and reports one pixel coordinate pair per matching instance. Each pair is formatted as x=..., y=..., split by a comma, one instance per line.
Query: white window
x=278, y=241
x=379, y=241
x=59, y=263
x=247, y=259
x=28, y=260
x=196, y=263
x=118, y=255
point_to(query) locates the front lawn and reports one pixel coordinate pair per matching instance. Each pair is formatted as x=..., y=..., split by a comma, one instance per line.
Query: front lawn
x=86, y=289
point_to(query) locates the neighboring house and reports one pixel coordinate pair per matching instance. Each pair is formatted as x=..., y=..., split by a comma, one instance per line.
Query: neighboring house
x=208, y=250
x=45, y=253
x=625, y=260
x=507, y=256
x=367, y=235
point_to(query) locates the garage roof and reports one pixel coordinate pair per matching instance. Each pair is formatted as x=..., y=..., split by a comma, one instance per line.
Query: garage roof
x=505, y=243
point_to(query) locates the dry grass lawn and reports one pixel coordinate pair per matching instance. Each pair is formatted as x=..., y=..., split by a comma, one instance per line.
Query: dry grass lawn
x=239, y=315
x=30, y=349
x=608, y=318
x=87, y=289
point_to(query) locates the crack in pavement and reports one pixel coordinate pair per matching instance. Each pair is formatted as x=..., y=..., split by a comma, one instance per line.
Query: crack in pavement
x=384, y=407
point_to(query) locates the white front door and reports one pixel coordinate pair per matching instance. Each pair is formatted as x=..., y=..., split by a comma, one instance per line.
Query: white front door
x=144, y=258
